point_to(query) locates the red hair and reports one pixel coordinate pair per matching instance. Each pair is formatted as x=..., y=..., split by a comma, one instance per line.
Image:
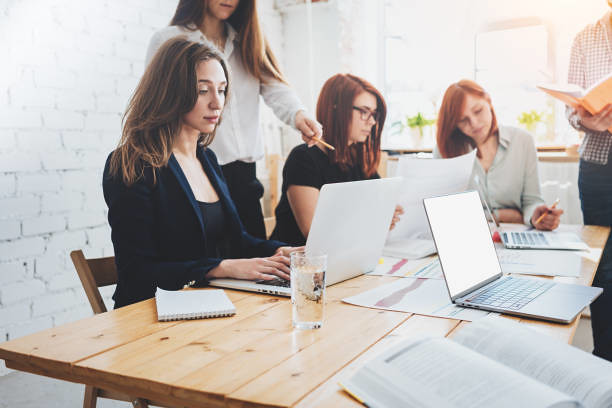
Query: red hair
x=335, y=114
x=452, y=142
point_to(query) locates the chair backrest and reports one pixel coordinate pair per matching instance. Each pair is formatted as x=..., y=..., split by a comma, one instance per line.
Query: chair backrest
x=95, y=273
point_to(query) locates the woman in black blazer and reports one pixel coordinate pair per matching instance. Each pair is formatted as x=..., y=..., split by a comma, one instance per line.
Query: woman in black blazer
x=172, y=219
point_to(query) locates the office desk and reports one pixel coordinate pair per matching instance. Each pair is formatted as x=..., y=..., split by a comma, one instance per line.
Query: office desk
x=252, y=359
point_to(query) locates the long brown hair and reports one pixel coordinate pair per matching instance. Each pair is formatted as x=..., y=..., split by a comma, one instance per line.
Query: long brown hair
x=256, y=54
x=167, y=91
x=335, y=114
x=452, y=142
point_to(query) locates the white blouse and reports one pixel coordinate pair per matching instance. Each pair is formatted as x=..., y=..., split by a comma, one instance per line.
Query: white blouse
x=238, y=135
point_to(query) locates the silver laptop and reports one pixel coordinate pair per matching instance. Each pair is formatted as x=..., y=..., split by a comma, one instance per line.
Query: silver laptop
x=350, y=225
x=473, y=274
x=533, y=239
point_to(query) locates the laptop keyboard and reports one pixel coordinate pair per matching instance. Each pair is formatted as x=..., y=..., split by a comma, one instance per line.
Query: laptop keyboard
x=510, y=293
x=529, y=238
x=275, y=282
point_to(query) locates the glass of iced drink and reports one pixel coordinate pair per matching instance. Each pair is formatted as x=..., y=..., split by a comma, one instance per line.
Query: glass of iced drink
x=307, y=289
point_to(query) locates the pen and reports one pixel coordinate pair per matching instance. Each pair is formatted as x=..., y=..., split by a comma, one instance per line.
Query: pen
x=544, y=214
x=330, y=147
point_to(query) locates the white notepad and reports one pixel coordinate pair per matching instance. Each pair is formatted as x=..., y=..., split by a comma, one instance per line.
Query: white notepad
x=192, y=304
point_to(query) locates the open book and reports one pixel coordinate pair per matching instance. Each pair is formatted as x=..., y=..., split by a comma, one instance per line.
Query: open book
x=494, y=362
x=593, y=99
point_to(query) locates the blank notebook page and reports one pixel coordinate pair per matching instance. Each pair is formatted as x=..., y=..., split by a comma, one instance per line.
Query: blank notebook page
x=192, y=304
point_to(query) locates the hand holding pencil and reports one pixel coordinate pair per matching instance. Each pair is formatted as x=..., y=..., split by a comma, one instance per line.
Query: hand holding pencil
x=547, y=218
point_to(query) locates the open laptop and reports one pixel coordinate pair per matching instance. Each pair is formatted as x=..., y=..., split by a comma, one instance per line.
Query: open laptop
x=532, y=239
x=473, y=274
x=350, y=225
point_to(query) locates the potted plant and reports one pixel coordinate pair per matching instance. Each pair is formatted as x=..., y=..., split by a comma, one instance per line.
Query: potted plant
x=531, y=119
x=416, y=124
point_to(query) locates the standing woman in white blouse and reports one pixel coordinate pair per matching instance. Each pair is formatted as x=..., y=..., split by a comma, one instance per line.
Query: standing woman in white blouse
x=233, y=27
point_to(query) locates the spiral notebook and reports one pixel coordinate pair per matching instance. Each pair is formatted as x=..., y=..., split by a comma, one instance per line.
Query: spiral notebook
x=192, y=304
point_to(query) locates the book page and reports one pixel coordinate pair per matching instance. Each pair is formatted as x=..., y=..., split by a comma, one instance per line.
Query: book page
x=550, y=361
x=599, y=95
x=436, y=372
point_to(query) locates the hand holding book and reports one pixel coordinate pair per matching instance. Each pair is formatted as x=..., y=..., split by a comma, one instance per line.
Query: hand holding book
x=598, y=122
x=592, y=105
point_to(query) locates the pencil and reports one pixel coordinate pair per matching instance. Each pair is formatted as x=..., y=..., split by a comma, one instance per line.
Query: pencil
x=544, y=214
x=330, y=147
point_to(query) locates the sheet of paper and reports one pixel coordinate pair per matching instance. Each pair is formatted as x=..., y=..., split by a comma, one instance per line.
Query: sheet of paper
x=425, y=178
x=414, y=295
x=526, y=262
x=540, y=262
x=419, y=268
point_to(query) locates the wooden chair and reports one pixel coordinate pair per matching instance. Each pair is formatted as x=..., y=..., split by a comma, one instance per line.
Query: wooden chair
x=95, y=273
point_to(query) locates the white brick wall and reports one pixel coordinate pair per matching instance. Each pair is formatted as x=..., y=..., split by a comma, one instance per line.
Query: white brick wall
x=68, y=69
x=67, y=72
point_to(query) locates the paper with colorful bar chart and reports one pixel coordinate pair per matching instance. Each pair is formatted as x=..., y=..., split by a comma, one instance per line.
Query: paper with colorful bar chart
x=398, y=267
x=415, y=295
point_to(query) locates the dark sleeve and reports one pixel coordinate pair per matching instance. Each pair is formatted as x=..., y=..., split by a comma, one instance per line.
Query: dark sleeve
x=250, y=246
x=131, y=214
x=301, y=169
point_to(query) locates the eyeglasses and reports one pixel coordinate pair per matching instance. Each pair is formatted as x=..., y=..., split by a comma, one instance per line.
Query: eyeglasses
x=366, y=114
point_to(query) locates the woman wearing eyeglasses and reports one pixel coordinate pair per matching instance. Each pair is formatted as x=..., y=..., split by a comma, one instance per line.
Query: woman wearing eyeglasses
x=352, y=113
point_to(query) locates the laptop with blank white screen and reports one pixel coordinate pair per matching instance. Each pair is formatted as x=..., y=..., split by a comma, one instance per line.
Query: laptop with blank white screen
x=350, y=226
x=473, y=274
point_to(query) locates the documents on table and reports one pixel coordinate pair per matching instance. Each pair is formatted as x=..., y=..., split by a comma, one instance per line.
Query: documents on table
x=418, y=268
x=491, y=363
x=424, y=178
x=540, y=262
x=415, y=295
x=526, y=262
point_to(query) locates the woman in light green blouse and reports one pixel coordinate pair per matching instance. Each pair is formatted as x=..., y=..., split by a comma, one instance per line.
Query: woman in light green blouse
x=506, y=168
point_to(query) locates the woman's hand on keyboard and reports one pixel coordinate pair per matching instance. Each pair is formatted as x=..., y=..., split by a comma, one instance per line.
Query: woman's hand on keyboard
x=252, y=269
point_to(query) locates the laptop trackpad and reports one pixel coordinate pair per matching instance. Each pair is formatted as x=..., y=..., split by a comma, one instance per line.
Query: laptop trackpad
x=562, y=302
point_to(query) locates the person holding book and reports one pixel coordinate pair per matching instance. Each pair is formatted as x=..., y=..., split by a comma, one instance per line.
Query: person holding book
x=352, y=112
x=591, y=61
x=506, y=170
x=172, y=218
x=233, y=27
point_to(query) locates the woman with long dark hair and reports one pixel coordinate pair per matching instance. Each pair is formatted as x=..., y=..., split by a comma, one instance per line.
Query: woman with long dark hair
x=506, y=163
x=233, y=26
x=173, y=221
x=352, y=112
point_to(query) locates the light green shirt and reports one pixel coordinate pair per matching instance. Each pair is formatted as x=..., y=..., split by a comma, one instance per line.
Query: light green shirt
x=512, y=180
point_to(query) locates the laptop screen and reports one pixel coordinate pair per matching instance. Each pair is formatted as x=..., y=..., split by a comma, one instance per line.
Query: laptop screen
x=465, y=247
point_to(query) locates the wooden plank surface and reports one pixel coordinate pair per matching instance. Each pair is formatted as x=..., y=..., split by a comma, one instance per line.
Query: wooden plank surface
x=252, y=359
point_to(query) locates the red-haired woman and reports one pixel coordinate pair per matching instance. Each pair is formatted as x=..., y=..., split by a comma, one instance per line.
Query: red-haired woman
x=507, y=163
x=233, y=26
x=353, y=114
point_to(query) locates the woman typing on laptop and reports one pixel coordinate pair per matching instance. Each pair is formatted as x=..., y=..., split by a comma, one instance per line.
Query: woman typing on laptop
x=172, y=218
x=352, y=113
x=506, y=168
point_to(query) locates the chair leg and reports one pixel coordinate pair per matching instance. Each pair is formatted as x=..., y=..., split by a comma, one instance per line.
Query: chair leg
x=91, y=396
x=140, y=403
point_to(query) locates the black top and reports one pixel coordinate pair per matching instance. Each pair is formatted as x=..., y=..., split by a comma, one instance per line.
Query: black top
x=307, y=166
x=214, y=225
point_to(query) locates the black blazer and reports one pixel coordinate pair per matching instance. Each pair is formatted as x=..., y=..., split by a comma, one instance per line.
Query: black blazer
x=158, y=232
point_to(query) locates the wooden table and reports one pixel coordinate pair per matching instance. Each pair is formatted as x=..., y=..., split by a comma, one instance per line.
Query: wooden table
x=252, y=359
